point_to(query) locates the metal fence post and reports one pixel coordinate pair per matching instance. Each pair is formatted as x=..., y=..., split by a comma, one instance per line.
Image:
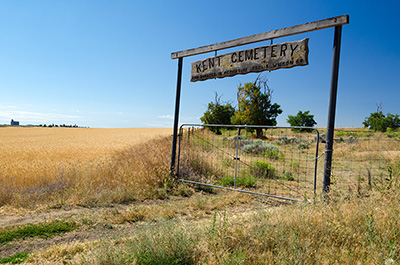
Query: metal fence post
x=237, y=156
x=176, y=119
x=332, y=110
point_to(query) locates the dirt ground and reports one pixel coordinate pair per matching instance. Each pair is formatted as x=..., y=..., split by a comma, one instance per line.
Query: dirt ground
x=101, y=227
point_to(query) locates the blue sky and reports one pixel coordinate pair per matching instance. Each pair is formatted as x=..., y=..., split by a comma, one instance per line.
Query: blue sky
x=108, y=63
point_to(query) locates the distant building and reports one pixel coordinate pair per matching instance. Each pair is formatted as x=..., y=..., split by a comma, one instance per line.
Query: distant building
x=14, y=123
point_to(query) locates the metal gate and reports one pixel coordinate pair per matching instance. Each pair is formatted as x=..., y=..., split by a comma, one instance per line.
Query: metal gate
x=281, y=164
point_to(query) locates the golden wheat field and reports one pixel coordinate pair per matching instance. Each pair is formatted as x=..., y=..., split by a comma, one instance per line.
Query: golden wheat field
x=27, y=145
x=55, y=164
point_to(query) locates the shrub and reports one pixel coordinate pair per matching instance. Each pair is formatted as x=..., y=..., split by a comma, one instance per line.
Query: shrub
x=352, y=140
x=294, y=140
x=259, y=147
x=233, y=141
x=303, y=146
x=288, y=176
x=262, y=169
x=242, y=181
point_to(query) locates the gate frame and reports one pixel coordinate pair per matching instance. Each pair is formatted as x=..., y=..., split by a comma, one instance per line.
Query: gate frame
x=336, y=22
x=239, y=127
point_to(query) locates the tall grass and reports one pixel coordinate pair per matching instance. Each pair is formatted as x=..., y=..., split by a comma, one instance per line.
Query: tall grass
x=346, y=231
x=164, y=244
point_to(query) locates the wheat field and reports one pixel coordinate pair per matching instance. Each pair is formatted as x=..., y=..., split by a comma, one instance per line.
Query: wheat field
x=75, y=165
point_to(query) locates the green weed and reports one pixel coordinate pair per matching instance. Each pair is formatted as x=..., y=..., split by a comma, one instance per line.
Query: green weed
x=43, y=230
x=288, y=176
x=15, y=259
x=241, y=181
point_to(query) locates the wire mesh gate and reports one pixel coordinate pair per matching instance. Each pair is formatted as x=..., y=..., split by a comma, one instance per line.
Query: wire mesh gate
x=283, y=164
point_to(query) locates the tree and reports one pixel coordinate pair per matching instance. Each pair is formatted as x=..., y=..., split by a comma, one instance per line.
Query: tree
x=218, y=114
x=255, y=107
x=302, y=119
x=377, y=121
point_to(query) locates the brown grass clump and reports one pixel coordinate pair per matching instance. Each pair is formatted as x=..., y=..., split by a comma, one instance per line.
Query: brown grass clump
x=63, y=166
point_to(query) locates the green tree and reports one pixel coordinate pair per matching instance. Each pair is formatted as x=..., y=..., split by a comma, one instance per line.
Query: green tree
x=377, y=121
x=301, y=119
x=255, y=107
x=218, y=113
x=393, y=121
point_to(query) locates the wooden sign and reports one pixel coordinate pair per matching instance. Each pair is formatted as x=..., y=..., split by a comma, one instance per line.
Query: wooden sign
x=266, y=58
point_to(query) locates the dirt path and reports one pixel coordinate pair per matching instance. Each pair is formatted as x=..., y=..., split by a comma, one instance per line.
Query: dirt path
x=32, y=218
x=97, y=223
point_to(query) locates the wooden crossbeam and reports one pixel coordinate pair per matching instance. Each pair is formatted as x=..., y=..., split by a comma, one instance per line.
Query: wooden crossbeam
x=279, y=33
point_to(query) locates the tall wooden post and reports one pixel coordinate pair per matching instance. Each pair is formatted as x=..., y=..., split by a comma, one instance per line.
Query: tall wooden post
x=332, y=109
x=176, y=119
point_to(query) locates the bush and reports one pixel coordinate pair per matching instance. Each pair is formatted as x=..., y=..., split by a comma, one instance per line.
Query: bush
x=262, y=169
x=294, y=140
x=233, y=141
x=302, y=146
x=242, y=181
x=288, y=176
x=259, y=147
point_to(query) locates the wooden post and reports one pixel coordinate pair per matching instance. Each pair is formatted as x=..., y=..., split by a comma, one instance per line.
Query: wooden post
x=332, y=110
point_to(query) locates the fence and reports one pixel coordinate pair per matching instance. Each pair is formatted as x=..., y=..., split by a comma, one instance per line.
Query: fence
x=283, y=164
x=365, y=160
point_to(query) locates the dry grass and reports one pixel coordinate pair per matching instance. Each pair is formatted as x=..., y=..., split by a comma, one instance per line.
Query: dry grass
x=363, y=160
x=64, y=166
x=346, y=231
x=358, y=228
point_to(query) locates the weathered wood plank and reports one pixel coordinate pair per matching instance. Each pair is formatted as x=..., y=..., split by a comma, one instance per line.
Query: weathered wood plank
x=311, y=26
x=255, y=60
